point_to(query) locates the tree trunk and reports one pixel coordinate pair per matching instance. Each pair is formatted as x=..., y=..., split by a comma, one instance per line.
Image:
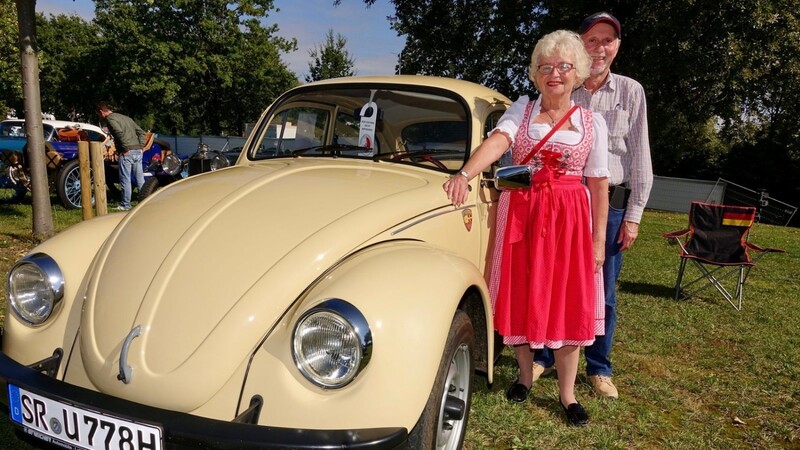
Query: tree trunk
x=42, y=216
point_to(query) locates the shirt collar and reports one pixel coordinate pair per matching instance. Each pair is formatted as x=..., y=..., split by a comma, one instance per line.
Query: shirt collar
x=610, y=83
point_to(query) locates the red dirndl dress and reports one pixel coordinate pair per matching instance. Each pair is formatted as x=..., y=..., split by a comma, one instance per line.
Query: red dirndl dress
x=544, y=288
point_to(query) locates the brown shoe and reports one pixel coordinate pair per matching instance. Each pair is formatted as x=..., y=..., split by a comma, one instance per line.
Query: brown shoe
x=541, y=371
x=603, y=386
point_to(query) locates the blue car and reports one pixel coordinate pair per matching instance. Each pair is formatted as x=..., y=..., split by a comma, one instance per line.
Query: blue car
x=61, y=148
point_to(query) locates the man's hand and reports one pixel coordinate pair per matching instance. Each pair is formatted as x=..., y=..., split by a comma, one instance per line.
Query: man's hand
x=628, y=233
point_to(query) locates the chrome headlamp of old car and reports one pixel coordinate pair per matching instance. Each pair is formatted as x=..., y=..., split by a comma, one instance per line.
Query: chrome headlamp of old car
x=219, y=162
x=331, y=344
x=35, y=286
x=171, y=164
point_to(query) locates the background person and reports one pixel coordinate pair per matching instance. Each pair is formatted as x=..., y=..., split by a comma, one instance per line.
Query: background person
x=129, y=139
x=621, y=102
x=550, y=238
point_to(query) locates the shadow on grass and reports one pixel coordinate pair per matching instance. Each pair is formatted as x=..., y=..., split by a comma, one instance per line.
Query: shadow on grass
x=653, y=290
x=6, y=210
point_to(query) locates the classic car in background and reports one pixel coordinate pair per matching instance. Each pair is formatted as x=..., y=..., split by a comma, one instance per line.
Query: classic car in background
x=172, y=168
x=61, y=149
x=352, y=310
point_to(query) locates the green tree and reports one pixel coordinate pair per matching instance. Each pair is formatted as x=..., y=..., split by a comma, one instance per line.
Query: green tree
x=70, y=54
x=485, y=41
x=10, y=78
x=186, y=66
x=717, y=74
x=330, y=60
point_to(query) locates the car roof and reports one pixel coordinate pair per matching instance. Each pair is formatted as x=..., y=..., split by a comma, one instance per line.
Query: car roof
x=58, y=124
x=466, y=89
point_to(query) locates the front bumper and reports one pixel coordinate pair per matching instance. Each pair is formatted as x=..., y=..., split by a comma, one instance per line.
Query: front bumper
x=184, y=431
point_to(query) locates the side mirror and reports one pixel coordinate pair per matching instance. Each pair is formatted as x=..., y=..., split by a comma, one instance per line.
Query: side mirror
x=511, y=178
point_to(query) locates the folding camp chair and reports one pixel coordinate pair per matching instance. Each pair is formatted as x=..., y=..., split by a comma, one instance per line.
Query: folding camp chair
x=717, y=236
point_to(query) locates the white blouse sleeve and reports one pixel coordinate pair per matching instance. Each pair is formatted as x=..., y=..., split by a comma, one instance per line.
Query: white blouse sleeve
x=510, y=121
x=597, y=162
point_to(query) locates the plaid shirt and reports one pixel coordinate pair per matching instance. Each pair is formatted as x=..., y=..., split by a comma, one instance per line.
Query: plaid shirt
x=622, y=104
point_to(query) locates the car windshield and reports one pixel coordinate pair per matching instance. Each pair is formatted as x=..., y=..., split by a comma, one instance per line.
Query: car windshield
x=16, y=128
x=12, y=129
x=395, y=124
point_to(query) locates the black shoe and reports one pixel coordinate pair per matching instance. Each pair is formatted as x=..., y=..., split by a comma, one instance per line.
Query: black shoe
x=517, y=393
x=576, y=415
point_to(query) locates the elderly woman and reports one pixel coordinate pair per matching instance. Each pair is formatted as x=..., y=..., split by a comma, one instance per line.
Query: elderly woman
x=546, y=280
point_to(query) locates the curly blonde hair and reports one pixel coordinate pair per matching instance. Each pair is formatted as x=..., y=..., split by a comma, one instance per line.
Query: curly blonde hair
x=565, y=43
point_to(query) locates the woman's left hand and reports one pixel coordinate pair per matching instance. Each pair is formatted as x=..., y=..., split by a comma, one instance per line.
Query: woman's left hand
x=599, y=255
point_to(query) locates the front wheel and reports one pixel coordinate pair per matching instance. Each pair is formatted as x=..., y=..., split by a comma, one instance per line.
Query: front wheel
x=69, y=184
x=443, y=423
x=152, y=184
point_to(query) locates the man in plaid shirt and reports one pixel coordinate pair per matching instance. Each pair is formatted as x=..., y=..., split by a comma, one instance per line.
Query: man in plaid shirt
x=621, y=102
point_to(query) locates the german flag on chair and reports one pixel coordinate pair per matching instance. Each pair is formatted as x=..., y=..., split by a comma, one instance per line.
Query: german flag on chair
x=738, y=217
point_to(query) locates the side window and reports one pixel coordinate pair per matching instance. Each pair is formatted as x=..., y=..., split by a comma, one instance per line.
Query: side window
x=9, y=130
x=94, y=136
x=491, y=123
x=293, y=129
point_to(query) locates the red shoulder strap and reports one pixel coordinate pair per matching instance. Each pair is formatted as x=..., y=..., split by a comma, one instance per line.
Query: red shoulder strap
x=547, y=136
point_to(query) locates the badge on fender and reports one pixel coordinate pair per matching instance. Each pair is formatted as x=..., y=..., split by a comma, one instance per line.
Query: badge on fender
x=466, y=214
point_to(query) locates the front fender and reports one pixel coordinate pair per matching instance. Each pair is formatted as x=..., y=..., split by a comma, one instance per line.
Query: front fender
x=73, y=250
x=408, y=292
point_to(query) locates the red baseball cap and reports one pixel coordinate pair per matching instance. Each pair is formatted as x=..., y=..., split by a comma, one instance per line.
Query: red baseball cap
x=600, y=17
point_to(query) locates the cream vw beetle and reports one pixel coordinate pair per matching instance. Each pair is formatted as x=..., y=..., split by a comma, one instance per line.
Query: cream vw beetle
x=320, y=293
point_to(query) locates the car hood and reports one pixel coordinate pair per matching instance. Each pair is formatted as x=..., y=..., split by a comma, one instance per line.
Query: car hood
x=207, y=266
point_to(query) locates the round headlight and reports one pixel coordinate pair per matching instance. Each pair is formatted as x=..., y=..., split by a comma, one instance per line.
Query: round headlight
x=171, y=165
x=332, y=343
x=35, y=286
x=219, y=162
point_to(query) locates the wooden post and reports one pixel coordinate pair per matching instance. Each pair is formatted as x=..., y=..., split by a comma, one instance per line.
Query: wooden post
x=86, y=179
x=99, y=172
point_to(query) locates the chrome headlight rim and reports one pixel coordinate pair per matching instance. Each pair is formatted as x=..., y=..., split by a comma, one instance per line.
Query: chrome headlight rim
x=171, y=165
x=51, y=276
x=357, y=325
x=219, y=162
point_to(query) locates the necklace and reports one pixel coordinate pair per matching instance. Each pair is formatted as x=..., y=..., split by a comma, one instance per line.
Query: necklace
x=552, y=119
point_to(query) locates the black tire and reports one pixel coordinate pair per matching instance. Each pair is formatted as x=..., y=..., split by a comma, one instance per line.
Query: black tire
x=452, y=391
x=69, y=184
x=151, y=185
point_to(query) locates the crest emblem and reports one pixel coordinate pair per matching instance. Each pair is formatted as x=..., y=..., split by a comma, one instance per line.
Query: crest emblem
x=466, y=214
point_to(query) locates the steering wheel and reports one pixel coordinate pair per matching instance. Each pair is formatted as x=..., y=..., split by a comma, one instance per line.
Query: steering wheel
x=416, y=156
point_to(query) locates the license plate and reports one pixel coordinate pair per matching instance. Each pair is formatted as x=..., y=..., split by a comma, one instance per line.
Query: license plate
x=78, y=428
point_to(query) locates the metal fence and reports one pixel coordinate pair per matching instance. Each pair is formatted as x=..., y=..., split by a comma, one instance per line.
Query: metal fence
x=677, y=194
x=768, y=210
x=187, y=145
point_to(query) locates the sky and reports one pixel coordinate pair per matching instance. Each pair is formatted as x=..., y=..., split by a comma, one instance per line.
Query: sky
x=370, y=41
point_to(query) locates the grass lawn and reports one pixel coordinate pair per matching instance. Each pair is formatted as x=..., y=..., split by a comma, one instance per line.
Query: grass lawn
x=692, y=374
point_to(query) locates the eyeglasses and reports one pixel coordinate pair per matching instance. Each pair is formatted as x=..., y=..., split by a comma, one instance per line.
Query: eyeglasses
x=547, y=69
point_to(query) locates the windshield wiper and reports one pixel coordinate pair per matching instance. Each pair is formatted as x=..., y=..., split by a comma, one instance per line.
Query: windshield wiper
x=334, y=149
